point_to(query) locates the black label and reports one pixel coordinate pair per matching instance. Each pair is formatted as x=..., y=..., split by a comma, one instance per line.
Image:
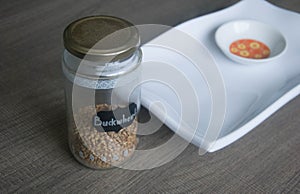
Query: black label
x=115, y=120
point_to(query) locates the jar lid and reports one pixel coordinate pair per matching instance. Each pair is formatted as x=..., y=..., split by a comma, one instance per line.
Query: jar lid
x=104, y=38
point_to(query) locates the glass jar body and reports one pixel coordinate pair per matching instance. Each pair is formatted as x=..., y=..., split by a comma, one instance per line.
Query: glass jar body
x=103, y=101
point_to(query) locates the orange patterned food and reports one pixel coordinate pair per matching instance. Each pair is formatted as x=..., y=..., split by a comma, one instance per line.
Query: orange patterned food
x=249, y=48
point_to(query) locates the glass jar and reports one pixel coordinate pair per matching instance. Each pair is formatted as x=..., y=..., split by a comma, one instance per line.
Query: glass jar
x=101, y=64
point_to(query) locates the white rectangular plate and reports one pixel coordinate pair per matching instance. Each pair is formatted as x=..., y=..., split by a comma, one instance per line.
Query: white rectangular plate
x=253, y=92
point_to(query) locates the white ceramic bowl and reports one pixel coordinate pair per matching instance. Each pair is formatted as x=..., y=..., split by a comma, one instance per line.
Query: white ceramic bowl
x=232, y=31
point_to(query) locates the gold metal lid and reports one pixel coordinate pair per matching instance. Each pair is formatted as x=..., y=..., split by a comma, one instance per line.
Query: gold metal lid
x=101, y=37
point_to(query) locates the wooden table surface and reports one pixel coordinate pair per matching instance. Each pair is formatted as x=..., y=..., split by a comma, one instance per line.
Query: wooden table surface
x=33, y=137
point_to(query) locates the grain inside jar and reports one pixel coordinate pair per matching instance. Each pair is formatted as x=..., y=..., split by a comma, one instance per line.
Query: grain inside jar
x=102, y=149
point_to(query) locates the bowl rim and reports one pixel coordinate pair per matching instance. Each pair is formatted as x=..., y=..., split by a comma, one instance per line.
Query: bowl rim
x=249, y=60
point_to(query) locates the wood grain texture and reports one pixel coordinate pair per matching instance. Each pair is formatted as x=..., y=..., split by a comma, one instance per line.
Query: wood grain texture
x=33, y=137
